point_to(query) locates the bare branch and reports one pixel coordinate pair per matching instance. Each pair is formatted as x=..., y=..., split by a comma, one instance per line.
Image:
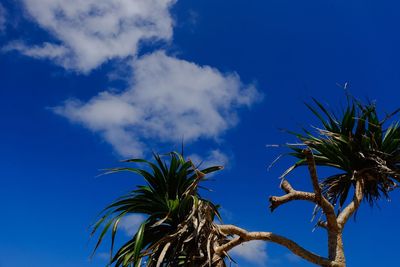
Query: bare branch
x=353, y=205
x=286, y=186
x=293, y=195
x=244, y=236
x=326, y=206
x=313, y=172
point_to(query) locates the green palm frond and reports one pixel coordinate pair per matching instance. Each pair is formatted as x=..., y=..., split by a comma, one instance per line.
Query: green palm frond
x=179, y=221
x=358, y=144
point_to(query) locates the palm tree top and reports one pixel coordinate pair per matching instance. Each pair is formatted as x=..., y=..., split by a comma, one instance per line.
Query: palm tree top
x=179, y=221
x=358, y=144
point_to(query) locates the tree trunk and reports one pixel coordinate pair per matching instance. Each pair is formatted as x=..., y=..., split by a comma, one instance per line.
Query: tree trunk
x=336, y=250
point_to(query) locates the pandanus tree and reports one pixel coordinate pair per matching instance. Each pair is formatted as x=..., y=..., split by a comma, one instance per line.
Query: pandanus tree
x=362, y=151
x=179, y=229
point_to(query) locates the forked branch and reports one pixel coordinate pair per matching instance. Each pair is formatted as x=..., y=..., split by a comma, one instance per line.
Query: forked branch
x=244, y=236
x=291, y=195
x=316, y=197
x=353, y=205
x=333, y=224
x=321, y=201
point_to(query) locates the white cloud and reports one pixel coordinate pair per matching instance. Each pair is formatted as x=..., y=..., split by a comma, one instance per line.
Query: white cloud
x=169, y=99
x=91, y=32
x=213, y=158
x=130, y=223
x=47, y=50
x=253, y=251
x=3, y=18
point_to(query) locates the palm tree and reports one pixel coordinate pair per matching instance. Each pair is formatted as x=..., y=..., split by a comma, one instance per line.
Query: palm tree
x=179, y=229
x=365, y=156
x=358, y=145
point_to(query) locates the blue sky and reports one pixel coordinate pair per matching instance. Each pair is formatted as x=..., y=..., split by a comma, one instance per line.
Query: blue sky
x=87, y=83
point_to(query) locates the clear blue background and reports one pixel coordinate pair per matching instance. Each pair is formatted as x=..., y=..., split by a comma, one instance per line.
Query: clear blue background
x=292, y=50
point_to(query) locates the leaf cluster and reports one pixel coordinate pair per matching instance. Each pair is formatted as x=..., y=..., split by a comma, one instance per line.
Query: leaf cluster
x=358, y=145
x=180, y=223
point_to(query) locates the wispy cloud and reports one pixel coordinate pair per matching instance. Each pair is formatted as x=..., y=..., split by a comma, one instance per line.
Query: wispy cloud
x=253, y=251
x=292, y=258
x=130, y=223
x=169, y=98
x=212, y=158
x=46, y=50
x=89, y=33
